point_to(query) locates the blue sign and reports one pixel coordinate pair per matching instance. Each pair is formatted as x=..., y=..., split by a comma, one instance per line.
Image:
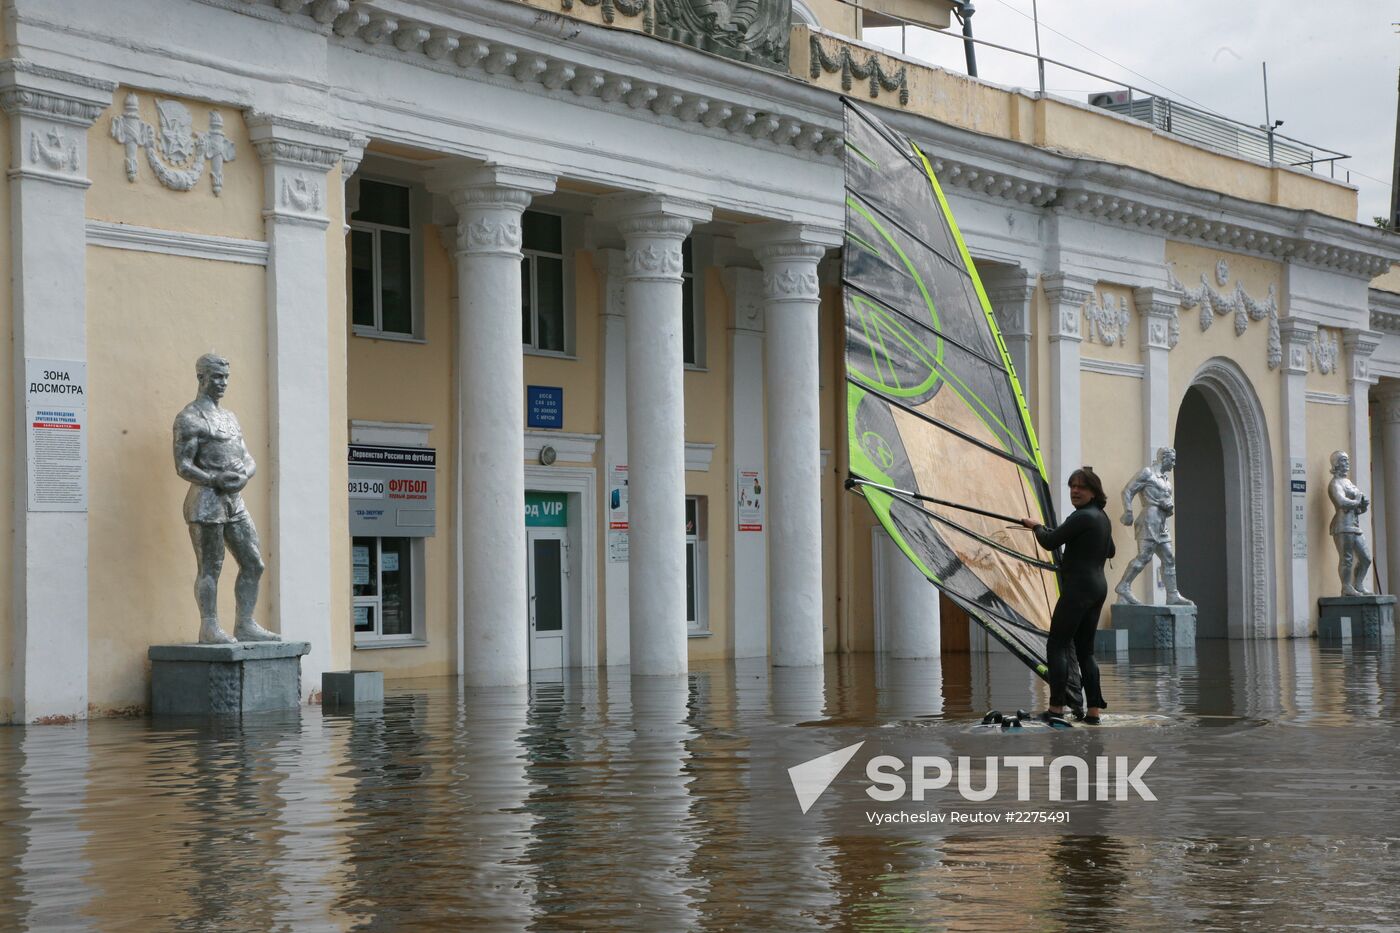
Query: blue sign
x=544, y=406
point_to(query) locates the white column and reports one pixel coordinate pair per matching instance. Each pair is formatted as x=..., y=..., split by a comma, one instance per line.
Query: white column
x=1158, y=310
x=1360, y=344
x=49, y=115
x=748, y=552
x=909, y=607
x=1297, y=336
x=491, y=417
x=1066, y=295
x=296, y=157
x=653, y=227
x=1010, y=293
x=789, y=254
x=1388, y=413
x=610, y=264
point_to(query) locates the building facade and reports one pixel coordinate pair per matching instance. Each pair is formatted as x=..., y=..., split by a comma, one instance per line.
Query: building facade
x=535, y=329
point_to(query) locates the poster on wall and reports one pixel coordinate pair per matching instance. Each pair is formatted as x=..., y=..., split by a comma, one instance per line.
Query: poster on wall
x=56, y=434
x=617, y=513
x=1298, y=490
x=393, y=491
x=749, y=499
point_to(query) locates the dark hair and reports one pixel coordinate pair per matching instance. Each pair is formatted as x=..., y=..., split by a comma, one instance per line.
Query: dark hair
x=1087, y=477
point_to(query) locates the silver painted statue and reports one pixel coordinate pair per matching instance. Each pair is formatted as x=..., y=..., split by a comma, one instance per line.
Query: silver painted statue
x=211, y=454
x=1150, y=527
x=1353, y=554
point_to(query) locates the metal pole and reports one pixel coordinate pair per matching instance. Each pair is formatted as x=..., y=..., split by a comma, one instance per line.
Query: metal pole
x=969, y=47
x=1268, y=122
x=1039, y=62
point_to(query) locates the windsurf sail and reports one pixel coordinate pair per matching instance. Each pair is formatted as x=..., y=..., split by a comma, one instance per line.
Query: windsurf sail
x=941, y=442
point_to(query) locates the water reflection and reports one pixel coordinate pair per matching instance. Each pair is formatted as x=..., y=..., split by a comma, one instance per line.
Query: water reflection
x=598, y=800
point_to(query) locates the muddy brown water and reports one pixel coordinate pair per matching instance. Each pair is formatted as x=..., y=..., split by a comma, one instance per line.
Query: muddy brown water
x=599, y=802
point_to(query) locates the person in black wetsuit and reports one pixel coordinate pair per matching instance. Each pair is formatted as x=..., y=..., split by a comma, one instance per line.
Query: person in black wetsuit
x=1087, y=537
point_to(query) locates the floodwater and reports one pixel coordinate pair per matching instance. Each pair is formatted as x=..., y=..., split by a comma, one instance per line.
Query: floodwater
x=598, y=802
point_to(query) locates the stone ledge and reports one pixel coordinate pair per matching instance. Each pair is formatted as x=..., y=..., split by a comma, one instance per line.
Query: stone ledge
x=240, y=651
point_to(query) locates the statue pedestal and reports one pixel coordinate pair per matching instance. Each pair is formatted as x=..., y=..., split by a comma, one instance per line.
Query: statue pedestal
x=1356, y=618
x=212, y=680
x=1109, y=641
x=1156, y=628
x=351, y=689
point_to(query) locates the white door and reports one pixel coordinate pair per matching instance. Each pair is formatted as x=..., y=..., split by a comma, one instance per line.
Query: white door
x=549, y=596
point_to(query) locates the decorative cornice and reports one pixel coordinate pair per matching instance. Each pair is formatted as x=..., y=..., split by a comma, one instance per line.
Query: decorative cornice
x=698, y=456
x=1328, y=398
x=1385, y=311
x=1297, y=336
x=1160, y=310
x=1066, y=295
x=570, y=446
x=176, y=243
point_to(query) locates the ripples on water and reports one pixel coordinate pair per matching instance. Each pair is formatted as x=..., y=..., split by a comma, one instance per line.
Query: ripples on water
x=604, y=803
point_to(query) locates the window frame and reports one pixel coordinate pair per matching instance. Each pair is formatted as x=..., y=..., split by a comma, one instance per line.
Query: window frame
x=416, y=636
x=417, y=209
x=568, y=237
x=697, y=549
x=701, y=256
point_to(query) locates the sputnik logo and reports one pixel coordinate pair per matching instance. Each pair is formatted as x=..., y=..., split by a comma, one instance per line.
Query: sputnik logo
x=811, y=778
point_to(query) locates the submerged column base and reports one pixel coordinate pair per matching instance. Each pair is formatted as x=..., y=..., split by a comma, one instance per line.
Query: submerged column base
x=219, y=680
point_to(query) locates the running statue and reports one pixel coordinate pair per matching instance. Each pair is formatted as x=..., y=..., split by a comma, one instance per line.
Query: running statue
x=1151, y=527
x=211, y=454
x=1353, y=555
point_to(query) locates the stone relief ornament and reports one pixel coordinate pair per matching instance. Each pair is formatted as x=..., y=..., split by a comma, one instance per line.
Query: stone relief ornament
x=791, y=284
x=55, y=151
x=754, y=31
x=301, y=193
x=1324, y=352
x=176, y=152
x=1239, y=303
x=493, y=235
x=653, y=261
x=1108, y=323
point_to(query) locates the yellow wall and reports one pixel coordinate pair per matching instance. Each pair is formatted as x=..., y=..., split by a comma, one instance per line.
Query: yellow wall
x=144, y=341
x=707, y=422
x=1390, y=282
x=7, y=431
x=237, y=212
x=1249, y=351
x=1327, y=431
x=1112, y=443
x=394, y=380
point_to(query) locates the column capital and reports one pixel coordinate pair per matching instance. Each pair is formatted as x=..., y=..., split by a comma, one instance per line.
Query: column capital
x=653, y=215
x=352, y=157
x=775, y=242
x=490, y=200
x=31, y=90
x=1010, y=292
x=1297, y=336
x=1067, y=294
x=287, y=142
x=1360, y=345
x=1387, y=395
x=1160, y=310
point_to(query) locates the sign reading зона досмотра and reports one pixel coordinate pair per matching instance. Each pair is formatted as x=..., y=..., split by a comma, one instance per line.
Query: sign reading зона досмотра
x=56, y=434
x=393, y=491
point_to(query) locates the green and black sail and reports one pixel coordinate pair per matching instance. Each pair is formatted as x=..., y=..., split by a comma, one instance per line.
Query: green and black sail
x=941, y=443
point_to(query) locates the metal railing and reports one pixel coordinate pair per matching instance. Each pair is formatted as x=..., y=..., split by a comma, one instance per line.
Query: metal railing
x=1208, y=129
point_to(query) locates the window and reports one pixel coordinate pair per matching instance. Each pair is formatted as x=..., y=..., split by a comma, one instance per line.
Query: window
x=696, y=578
x=382, y=299
x=693, y=302
x=542, y=283
x=387, y=596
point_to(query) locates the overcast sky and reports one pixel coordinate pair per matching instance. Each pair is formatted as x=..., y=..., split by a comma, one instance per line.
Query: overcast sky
x=1333, y=64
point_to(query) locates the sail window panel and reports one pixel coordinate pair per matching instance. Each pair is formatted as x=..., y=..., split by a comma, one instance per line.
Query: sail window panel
x=903, y=273
x=889, y=355
x=897, y=187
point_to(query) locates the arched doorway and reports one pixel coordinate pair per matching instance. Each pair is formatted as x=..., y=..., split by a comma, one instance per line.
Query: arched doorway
x=1224, y=492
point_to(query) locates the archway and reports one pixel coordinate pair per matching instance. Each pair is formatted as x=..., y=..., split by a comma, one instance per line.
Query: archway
x=1224, y=491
